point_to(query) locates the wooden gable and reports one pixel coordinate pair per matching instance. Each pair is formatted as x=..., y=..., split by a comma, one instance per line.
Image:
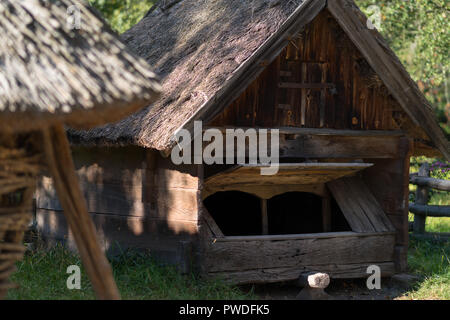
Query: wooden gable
x=320, y=80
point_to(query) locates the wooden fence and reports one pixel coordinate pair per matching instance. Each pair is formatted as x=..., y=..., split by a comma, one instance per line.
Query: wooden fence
x=421, y=209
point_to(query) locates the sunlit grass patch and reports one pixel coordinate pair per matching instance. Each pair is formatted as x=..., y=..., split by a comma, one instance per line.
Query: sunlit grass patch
x=42, y=276
x=430, y=261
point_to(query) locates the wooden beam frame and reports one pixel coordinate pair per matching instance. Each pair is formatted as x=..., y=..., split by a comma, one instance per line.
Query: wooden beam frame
x=264, y=217
x=314, y=143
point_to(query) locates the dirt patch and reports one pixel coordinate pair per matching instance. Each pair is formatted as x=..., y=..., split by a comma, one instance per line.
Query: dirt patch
x=391, y=289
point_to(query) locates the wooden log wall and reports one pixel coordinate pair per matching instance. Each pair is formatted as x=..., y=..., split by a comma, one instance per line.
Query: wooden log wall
x=320, y=80
x=267, y=259
x=137, y=198
x=388, y=180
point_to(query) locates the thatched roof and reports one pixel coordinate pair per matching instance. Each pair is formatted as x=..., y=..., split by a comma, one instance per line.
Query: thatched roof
x=50, y=71
x=195, y=47
x=208, y=52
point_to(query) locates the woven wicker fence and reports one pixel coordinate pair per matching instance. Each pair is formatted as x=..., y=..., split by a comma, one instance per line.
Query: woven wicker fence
x=18, y=172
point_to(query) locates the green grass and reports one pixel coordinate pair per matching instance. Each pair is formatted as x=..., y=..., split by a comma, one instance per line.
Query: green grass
x=42, y=276
x=430, y=259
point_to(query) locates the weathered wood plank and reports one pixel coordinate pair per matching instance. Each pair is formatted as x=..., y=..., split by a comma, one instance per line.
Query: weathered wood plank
x=353, y=213
x=359, y=206
x=293, y=85
x=322, y=131
x=266, y=191
x=126, y=231
x=369, y=205
x=173, y=178
x=323, y=146
x=303, y=236
x=293, y=173
x=126, y=200
x=269, y=275
x=303, y=97
x=178, y=204
x=261, y=254
x=330, y=143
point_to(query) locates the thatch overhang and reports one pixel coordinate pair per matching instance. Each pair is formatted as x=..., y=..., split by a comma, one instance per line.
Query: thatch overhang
x=208, y=52
x=54, y=69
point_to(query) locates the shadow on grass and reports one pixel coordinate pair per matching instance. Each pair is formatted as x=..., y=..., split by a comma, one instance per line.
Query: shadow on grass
x=42, y=275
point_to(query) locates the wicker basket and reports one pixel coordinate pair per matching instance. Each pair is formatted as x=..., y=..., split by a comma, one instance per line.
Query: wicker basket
x=19, y=167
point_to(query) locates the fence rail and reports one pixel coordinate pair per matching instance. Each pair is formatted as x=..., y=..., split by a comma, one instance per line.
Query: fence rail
x=421, y=209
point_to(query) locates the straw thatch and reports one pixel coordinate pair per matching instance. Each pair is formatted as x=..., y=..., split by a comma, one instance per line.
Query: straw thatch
x=52, y=71
x=204, y=49
x=194, y=46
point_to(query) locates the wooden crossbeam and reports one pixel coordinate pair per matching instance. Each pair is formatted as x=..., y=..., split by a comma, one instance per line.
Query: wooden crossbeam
x=297, y=85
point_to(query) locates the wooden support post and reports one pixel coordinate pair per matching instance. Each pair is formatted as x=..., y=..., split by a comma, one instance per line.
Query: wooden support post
x=265, y=218
x=62, y=169
x=421, y=199
x=323, y=92
x=313, y=284
x=303, y=98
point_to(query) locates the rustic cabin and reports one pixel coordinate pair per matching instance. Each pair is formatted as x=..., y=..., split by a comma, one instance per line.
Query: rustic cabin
x=349, y=119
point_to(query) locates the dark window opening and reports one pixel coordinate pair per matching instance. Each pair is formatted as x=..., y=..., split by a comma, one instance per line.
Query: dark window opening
x=240, y=214
x=295, y=213
x=236, y=213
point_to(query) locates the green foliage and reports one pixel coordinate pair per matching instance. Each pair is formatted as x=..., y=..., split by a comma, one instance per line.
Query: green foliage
x=122, y=14
x=42, y=276
x=439, y=168
x=418, y=32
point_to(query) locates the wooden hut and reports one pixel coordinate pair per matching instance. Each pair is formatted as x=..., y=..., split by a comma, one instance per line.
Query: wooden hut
x=53, y=73
x=349, y=118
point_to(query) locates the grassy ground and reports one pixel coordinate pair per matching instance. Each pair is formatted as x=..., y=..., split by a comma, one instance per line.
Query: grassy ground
x=429, y=259
x=42, y=276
